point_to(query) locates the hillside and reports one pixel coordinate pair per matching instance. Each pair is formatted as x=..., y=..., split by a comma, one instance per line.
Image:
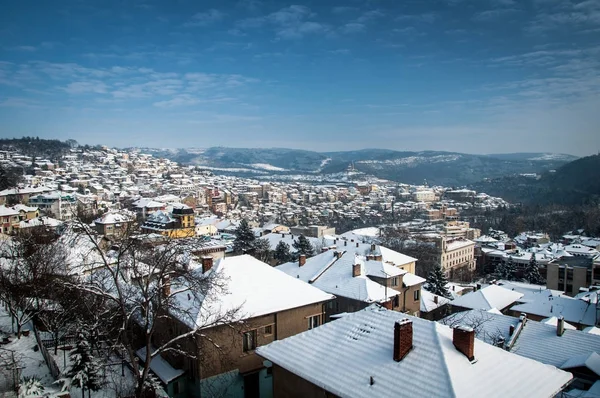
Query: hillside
x=433, y=167
x=36, y=147
x=576, y=182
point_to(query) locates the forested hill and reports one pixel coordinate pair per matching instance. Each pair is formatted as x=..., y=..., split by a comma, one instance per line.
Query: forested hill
x=576, y=182
x=37, y=147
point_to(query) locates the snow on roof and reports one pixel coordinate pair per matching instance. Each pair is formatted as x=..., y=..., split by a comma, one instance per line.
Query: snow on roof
x=7, y=211
x=553, y=321
x=362, y=346
x=161, y=368
x=428, y=302
x=590, y=361
x=334, y=276
x=114, y=217
x=592, y=330
x=537, y=340
x=574, y=311
x=21, y=207
x=252, y=286
x=39, y=221
x=487, y=298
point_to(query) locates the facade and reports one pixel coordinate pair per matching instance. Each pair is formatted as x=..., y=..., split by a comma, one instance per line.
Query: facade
x=180, y=223
x=9, y=219
x=456, y=256
x=60, y=205
x=313, y=231
x=113, y=223
x=227, y=364
x=570, y=274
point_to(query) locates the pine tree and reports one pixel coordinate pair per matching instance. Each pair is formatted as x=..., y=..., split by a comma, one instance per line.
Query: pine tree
x=506, y=269
x=244, y=238
x=436, y=282
x=282, y=253
x=532, y=272
x=83, y=372
x=262, y=250
x=303, y=246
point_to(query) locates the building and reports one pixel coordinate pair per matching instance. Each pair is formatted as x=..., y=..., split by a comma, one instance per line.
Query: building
x=313, y=231
x=60, y=205
x=358, y=281
x=113, y=223
x=456, y=256
x=9, y=219
x=380, y=353
x=570, y=274
x=423, y=196
x=488, y=298
x=554, y=343
x=179, y=223
x=272, y=306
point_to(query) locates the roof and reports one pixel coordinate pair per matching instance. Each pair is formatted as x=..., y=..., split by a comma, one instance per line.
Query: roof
x=487, y=298
x=341, y=357
x=427, y=301
x=574, y=311
x=7, y=211
x=161, y=368
x=252, y=286
x=334, y=276
x=537, y=340
x=590, y=361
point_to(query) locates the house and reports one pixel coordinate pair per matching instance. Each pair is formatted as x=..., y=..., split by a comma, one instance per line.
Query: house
x=26, y=212
x=113, y=223
x=60, y=205
x=272, y=306
x=8, y=219
x=580, y=313
x=433, y=306
x=551, y=342
x=489, y=297
x=179, y=223
x=380, y=353
x=358, y=281
x=570, y=274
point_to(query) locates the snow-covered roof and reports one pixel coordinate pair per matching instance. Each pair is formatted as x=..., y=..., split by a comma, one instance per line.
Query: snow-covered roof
x=7, y=211
x=334, y=275
x=114, y=217
x=573, y=311
x=536, y=340
x=428, y=301
x=342, y=356
x=590, y=361
x=592, y=330
x=161, y=368
x=252, y=286
x=487, y=298
x=553, y=321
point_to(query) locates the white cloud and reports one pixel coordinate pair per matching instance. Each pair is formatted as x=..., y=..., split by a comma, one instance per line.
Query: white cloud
x=205, y=18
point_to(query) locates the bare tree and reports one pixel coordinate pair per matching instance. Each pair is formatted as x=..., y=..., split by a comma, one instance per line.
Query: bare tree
x=139, y=284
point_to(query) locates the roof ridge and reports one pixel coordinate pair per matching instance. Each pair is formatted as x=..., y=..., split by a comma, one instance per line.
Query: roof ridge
x=437, y=338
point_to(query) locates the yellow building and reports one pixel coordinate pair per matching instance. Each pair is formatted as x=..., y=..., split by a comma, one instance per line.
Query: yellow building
x=179, y=223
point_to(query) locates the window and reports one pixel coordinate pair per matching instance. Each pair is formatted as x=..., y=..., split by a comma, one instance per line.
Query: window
x=269, y=329
x=249, y=340
x=395, y=281
x=313, y=321
x=396, y=302
x=416, y=294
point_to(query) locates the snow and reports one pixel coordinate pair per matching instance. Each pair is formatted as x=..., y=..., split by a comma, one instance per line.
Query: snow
x=573, y=311
x=590, y=361
x=266, y=166
x=427, y=301
x=252, y=286
x=161, y=368
x=553, y=321
x=342, y=356
x=592, y=330
x=487, y=298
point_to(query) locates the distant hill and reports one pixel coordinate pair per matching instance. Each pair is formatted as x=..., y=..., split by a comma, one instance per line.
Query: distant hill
x=433, y=167
x=36, y=147
x=576, y=182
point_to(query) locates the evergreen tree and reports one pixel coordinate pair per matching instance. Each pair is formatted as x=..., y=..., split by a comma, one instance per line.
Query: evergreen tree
x=30, y=387
x=506, y=269
x=436, y=282
x=303, y=246
x=262, y=250
x=532, y=272
x=282, y=253
x=244, y=238
x=83, y=372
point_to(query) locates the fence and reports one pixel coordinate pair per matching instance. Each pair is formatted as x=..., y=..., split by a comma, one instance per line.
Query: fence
x=54, y=371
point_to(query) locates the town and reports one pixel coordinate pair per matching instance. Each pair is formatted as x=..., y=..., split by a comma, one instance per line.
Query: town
x=124, y=274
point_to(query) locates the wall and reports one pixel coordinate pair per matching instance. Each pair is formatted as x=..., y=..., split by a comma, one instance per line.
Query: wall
x=288, y=385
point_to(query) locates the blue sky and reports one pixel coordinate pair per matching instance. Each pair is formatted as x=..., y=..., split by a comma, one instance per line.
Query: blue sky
x=476, y=76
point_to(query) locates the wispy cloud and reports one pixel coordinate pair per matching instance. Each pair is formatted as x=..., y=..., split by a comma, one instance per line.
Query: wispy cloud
x=205, y=18
x=293, y=22
x=487, y=15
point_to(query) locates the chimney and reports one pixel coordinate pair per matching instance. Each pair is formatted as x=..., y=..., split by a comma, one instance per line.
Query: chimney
x=207, y=263
x=302, y=260
x=463, y=338
x=356, y=244
x=283, y=235
x=166, y=286
x=435, y=299
x=355, y=270
x=511, y=330
x=373, y=247
x=345, y=243
x=560, y=326
x=403, y=338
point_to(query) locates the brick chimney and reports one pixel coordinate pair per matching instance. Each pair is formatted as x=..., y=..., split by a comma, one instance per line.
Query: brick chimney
x=302, y=260
x=403, y=338
x=207, y=263
x=463, y=338
x=166, y=288
x=560, y=326
x=355, y=270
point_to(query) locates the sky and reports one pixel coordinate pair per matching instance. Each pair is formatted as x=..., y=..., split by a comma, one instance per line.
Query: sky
x=473, y=76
